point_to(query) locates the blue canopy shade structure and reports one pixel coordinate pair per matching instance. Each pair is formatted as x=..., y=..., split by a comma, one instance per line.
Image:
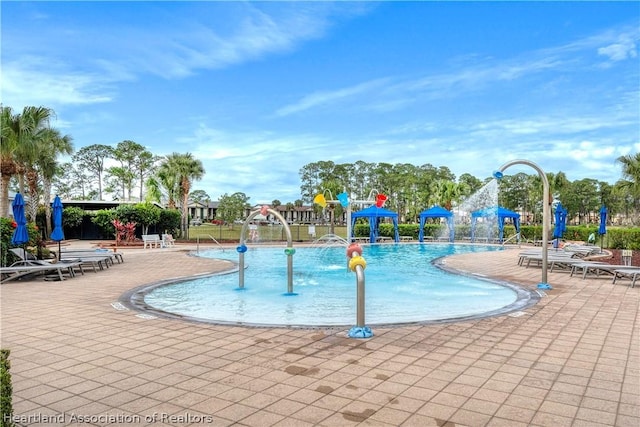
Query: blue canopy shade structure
x=374, y=214
x=500, y=214
x=436, y=212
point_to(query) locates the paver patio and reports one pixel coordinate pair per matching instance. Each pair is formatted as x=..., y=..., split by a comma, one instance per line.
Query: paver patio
x=77, y=358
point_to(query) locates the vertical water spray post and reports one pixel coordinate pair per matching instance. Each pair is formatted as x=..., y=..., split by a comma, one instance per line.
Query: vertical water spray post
x=289, y=250
x=545, y=213
x=357, y=264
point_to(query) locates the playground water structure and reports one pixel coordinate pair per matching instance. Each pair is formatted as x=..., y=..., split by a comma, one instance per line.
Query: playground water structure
x=404, y=285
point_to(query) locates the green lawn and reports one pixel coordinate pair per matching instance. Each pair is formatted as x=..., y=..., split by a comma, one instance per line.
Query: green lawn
x=224, y=233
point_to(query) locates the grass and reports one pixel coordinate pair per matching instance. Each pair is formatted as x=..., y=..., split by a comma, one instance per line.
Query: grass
x=225, y=233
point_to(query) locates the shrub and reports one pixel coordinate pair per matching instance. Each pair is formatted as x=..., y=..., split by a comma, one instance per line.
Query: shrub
x=104, y=220
x=622, y=238
x=6, y=390
x=147, y=214
x=169, y=221
x=72, y=216
x=6, y=230
x=7, y=226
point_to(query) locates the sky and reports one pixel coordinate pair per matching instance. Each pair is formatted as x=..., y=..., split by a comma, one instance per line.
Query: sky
x=257, y=90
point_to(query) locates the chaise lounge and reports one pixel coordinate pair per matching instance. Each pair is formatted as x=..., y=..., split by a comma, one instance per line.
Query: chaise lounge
x=14, y=272
x=631, y=273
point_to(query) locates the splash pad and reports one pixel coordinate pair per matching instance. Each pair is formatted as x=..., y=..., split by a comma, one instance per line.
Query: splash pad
x=420, y=291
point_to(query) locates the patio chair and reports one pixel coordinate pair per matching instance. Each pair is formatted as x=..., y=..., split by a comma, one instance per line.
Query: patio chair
x=168, y=240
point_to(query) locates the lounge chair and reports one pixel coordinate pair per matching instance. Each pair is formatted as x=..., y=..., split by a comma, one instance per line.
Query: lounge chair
x=106, y=255
x=631, y=273
x=537, y=255
x=561, y=261
x=595, y=267
x=29, y=259
x=14, y=272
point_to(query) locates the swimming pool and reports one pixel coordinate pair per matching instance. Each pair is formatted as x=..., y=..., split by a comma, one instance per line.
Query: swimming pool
x=402, y=286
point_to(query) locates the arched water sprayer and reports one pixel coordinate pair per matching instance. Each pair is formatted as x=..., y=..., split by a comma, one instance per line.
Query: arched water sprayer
x=289, y=251
x=545, y=213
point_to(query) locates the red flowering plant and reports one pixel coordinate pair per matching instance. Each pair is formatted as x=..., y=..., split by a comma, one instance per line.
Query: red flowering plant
x=126, y=232
x=130, y=231
x=7, y=228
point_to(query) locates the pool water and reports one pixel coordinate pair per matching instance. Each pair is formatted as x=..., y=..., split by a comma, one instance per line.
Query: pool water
x=402, y=286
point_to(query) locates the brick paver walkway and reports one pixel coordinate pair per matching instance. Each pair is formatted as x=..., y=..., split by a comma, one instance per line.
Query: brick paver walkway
x=79, y=359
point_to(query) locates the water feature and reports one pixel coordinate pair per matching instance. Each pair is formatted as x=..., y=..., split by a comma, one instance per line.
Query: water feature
x=403, y=286
x=485, y=198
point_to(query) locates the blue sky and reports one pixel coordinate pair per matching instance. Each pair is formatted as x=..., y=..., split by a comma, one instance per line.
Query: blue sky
x=256, y=90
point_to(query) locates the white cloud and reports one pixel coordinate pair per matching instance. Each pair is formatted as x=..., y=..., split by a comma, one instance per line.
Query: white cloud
x=328, y=97
x=471, y=74
x=34, y=81
x=619, y=51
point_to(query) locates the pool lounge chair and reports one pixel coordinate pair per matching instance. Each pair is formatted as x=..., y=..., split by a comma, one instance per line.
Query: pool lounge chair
x=632, y=273
x=563, y=262
x=14, y=272
x=594, y=267
x=96, y=263
x=537, y=256
x=117, y=256
x=103, y=256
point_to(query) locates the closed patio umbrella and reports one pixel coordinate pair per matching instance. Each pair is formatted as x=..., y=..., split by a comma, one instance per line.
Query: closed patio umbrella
x=561, y=223
x=57, y=235
x=20, y=234
x=602, y=230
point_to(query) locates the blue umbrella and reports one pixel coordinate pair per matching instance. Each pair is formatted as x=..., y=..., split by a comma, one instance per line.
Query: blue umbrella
x=20, y=234
x=561, y=223
x=602, y=230
x=57, y=234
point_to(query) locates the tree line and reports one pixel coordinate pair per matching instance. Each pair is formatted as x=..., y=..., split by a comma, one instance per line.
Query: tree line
x=412, y=188
x=31, y=150
x=30, y=162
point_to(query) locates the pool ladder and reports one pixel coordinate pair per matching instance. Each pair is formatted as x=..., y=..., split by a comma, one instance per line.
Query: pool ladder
x=212, y=238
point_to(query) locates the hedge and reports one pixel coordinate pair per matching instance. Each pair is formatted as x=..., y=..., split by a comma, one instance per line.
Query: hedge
x=616, y=237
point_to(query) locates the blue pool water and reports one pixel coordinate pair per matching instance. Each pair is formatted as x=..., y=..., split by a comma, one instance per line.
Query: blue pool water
x=402, y=286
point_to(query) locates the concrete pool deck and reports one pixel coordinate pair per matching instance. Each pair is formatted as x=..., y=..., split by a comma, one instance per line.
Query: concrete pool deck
x=79, y=358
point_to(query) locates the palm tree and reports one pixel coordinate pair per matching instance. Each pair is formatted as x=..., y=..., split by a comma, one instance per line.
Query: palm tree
x=445, y=193
x=631, y=177
x=37, y=148
x=175, y=174
x=187, y=169
x=631, y=171
x=8, y=144
x=163, y=185
x=21, y=138
x=53, y=144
